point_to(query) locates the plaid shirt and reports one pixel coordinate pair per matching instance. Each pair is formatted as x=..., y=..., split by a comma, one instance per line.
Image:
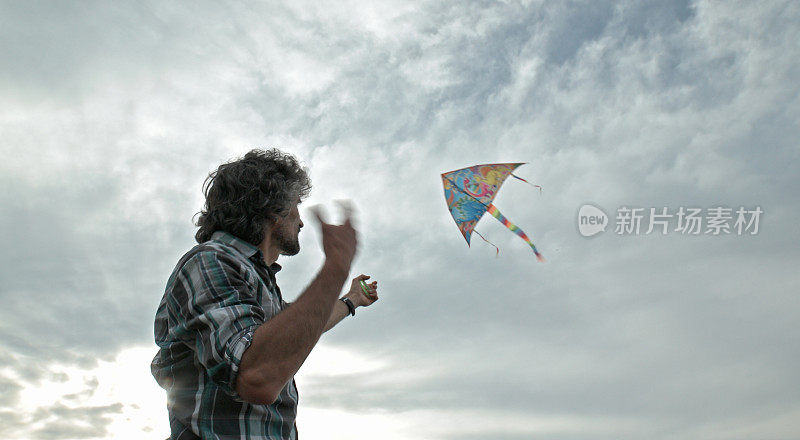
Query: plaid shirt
x=218, y=294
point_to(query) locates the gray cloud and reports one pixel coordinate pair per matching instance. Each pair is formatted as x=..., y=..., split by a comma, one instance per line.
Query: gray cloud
x=59, y=422
x=83, y=422
x=9, y=391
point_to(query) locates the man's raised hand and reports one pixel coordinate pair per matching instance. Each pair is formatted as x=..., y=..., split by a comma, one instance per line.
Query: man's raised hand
x=339, y=242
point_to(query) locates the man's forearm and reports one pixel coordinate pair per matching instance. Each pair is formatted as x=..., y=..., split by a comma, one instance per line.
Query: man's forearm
x=281, y=345
x=339, y=312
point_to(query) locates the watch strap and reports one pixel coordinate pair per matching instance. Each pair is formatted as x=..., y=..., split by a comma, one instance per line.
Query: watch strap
x=349, y=304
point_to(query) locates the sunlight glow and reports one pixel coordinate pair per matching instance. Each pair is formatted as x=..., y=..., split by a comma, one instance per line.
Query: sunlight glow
x=120, y=394
x=124, y=397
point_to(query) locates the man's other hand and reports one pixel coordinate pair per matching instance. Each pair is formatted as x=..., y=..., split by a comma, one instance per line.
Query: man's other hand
x=357, y=295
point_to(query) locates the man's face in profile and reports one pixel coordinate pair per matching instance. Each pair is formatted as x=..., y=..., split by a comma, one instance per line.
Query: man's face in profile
x=287, y=231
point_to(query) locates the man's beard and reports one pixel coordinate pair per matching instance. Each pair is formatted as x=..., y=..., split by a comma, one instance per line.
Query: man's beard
x=289, y=243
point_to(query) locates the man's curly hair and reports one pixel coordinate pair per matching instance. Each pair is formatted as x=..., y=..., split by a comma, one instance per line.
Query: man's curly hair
x=245, y=195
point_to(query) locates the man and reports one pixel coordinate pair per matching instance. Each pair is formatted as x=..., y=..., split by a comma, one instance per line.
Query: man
x=229, y=344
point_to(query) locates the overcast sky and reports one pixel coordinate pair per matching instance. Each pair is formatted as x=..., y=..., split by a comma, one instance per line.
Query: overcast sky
x=113, y=113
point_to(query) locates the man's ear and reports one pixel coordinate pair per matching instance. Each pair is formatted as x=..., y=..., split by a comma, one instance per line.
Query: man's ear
x=269, y=225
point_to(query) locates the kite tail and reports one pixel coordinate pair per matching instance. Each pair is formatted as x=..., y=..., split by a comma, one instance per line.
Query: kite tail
x=520, y=178
x=484, y=239
x=515, y=229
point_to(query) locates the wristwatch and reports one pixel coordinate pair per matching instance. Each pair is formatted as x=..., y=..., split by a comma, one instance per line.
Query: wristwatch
x=349, y=305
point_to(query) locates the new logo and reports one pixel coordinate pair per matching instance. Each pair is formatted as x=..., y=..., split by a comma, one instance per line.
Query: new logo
x=591, y=220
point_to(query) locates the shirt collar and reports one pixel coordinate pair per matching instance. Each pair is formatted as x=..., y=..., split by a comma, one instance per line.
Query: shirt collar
x=245, y=248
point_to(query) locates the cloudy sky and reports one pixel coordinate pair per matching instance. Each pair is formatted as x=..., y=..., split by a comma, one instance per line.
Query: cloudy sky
x=113, y=113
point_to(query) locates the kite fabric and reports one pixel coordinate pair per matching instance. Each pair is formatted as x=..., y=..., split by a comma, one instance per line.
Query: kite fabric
x=469, y=193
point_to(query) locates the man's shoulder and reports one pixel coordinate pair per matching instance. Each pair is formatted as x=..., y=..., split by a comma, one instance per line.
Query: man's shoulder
x=218, y=252
x=217, y=248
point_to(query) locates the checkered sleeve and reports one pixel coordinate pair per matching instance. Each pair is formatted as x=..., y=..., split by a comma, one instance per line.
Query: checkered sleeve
x=220, y=315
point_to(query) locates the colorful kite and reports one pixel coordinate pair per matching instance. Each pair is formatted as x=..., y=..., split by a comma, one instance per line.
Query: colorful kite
x=469, y=193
